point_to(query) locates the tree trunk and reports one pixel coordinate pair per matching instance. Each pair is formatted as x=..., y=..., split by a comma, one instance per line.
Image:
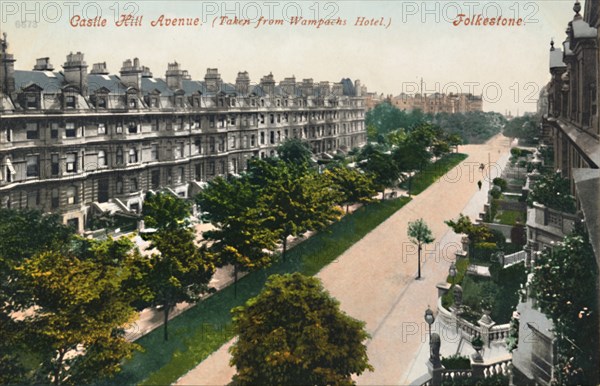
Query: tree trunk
x=347, y=207
x=383, y=195
x=58, y=367
x=284, y=247
x=167, y=307
x=235, y=280
x=419, y=256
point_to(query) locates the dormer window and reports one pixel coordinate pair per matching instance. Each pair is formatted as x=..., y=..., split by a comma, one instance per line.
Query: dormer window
x=32, y=101
x=70, y=102
x=180, y=102
x=101, y=103
x=232, y=102
x=132, y=103
x=153, y=102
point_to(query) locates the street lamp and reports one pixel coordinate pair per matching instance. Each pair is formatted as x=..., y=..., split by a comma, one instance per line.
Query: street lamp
x=429, y=319
x=452, y=272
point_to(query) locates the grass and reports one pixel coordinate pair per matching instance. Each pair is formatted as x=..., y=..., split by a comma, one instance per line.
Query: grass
x=201, y=330
x=433, y=172
x=510, y=217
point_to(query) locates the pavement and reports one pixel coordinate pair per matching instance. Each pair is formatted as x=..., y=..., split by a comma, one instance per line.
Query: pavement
x=374, y=280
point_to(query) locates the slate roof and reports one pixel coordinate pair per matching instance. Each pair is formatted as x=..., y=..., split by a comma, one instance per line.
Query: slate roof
x=50, y=82
x=110, y=82
x=151, y=84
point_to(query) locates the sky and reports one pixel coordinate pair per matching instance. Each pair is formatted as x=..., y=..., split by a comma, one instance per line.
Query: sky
x=405, y=41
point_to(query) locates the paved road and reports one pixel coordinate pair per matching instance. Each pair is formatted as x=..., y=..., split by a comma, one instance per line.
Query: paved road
x=375, y=282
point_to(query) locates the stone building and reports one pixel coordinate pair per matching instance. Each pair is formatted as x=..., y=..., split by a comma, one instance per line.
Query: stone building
x=76, y=141
x=439, y=103
x=571, y=128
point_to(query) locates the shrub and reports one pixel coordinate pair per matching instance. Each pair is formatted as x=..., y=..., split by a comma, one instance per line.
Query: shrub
x=495, y=193
x=518, y=235
x=456, y=362
x=501, y=183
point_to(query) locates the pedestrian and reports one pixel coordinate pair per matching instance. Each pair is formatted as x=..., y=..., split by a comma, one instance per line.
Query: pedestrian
x=479, y=184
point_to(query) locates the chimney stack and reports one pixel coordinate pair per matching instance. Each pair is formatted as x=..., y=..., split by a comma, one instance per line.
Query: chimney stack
x=242, y=83
x=75, y=71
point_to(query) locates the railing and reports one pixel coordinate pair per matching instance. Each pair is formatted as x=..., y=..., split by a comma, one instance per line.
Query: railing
x=514, y=258
x=500, y=367
x=499, y=332
x=456, y=376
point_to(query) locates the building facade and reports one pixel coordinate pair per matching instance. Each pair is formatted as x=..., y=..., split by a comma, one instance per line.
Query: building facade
x=75, y=142
x=439, y=103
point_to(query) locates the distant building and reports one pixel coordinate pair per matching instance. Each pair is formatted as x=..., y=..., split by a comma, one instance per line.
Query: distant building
x=439, y=103
x=76, y=142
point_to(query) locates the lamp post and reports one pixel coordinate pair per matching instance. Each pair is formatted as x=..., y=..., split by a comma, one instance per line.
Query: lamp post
x=429, y=319
x=452, y=272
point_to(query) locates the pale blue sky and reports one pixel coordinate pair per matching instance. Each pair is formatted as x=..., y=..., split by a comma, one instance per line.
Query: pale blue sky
x=421, y=42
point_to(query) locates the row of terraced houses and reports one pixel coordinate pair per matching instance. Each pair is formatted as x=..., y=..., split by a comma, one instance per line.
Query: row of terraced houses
x=78, y=143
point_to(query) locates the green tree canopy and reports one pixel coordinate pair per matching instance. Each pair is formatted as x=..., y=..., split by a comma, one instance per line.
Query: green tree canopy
x=295, y=151
x=294, y=333
x=525, y=128
x=563, y=281
x=75, y=327
x=419, y=234
x=554, y=191
x=353, y=185
x=240, y=237
x=180, y=271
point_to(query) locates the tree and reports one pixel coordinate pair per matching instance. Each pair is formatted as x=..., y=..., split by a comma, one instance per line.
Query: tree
x=180, y=271
x=381, y=166
x=79, y=309
x=295, y=199
x=240, y=236
x=419, y=234
x=563, y=281
x=476, y=233
x=525, y=128
x=295, y=151
x=294, y=333
x=554, y=191
x=354, y=186
x=17, y=244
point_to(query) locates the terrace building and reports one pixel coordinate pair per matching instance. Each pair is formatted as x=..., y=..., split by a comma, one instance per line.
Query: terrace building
x=77, y=143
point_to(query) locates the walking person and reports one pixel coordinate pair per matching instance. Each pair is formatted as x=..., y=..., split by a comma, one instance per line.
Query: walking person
x=479, y=184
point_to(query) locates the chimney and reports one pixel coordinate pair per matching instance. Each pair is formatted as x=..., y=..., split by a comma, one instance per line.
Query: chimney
x=131, y=74
x=324, y=89
x=337, y=89
x=7, y=68
x=307, y=87
x=242, y=83
x=75, y=71
x=268, y=84
x=43, y=64
x=175, y=76
x=289, y=85
x=99, y=69
x=357, y=88
x=213, y=80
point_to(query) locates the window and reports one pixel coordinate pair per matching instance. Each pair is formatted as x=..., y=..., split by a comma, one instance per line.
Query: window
x=71, y=162
x=101, y=158
x=155, y=179
x=154, y=152
x=8, y=135
x=180, y=175
x=252, y=140
x=33, y=166
x=132, y=103
x=272, y=118
x=262, y=138
x=198, y=146
x=211, y=120
x=132, y=128
x=211, y=168
x=54, y=198
x=272, y=137
x=133, y=185
x=119, y=129
x=101, y=103
x=54, y=131
x=33, y=131
x=179, y=153
x=212, y=144
x=119, y=156
x=133, y=156
x=119, y=186
x=101, y=129
x=199, y=172
x=70, y=131
x=33, y=198
x=70, y=102
x=233, y=141
x=71, y=195
x=154, y=125
x=54, y=166
x=31, y=101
